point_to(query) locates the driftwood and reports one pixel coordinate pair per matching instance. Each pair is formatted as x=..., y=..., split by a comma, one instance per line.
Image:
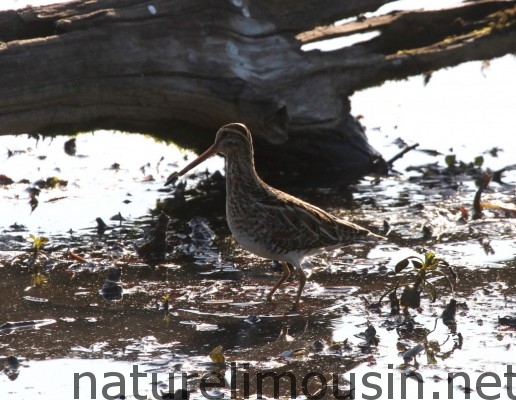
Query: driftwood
x=182, y=68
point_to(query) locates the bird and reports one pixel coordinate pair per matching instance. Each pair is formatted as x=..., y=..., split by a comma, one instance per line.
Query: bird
x=268, y=222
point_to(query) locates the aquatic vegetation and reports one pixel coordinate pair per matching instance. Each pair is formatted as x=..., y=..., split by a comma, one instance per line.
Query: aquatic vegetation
x=422, y=269
x=38, y=242
x=216, y=355
x=51, y=182
x=156, y=246
x=5, y=180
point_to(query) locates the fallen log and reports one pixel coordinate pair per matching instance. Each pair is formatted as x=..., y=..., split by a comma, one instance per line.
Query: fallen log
x=181, y=69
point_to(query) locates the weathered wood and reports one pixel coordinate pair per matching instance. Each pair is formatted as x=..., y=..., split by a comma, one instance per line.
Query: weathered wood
x=414, y=42
x=167, y=66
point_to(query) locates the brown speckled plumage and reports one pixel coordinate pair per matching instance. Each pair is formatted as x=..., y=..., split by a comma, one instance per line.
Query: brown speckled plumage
x=266, y=221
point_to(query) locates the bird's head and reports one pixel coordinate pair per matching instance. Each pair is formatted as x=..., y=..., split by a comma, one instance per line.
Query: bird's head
x=231, y=139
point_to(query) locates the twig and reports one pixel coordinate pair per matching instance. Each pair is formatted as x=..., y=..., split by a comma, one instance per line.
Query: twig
x=477, y=206
x=405, y=150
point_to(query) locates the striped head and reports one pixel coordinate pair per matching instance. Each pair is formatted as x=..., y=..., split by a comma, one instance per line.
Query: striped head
x=233, y=138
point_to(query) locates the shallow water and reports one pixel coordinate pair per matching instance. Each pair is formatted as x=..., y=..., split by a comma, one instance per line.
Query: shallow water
x=216, y=291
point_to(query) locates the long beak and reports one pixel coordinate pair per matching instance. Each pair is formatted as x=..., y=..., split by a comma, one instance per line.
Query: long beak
x=175, y=175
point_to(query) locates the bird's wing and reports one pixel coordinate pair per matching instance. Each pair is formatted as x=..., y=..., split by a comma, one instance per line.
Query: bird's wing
x=315, y=227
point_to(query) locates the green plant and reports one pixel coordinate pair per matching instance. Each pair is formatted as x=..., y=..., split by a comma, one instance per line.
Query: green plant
x=422, y=269
x=38, y=242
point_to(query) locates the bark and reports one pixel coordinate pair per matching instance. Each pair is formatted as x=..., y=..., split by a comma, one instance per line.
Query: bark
x=183, y=68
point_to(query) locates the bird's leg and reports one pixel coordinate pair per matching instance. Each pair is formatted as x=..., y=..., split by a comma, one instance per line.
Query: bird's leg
x=291, y=268
x=302, y=281
x=287, y=268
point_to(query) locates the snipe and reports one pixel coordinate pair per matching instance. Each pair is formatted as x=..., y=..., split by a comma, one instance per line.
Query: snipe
x=266, y=221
